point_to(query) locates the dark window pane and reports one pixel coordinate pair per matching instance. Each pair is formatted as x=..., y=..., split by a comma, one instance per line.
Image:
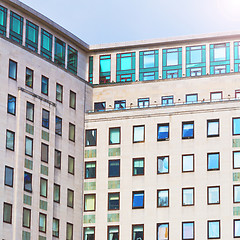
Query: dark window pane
x=114, y=168
x=30, y=112
x=59, y=92
x=10, y=140
x=29, y=146
x=44, y=86
x=99, y=106
x=113, y=201
x=91, y=137
x=7, y=213
x=90, y=169
x=11, y=107
x=58, y=129
x=138, y=166
x=118, y=105
x=72, y=102
x=8, y=176
x=12, y=69
x=27, y=182
x=57, y=159
x=44, y=152
x=45, y=118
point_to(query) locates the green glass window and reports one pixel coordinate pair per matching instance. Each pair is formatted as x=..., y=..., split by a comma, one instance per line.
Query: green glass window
x=59, y=57
x=90, y=70
x=55, y=230
x=32, y=36
x=46, y=44
x=72, y=60
x=105, y=69
x=3, y=20
x=236, y=56
x=16, y=27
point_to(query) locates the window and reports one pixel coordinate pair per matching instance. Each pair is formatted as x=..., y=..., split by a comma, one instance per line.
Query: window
x=105, y=69
x=236, y=160
x=120, y=104
x=213, y=128
x=72, y=132
x=90, y=69
x=138, y=199
x=237, y=92
x=236, y=193
x=213, y=195
x=167, y=100
x=3, y=20
x=70, y=198
x=138, y=134
x=12, y=70
x=56, y=193
x=114, y=168
x=71, y=165
x=43, y=187
x=30, y=112
x=72, y=100
x=214, y=229
x=213, y=161
x=192, y=98
x=44, y=152
x=143, y=102
x=89, y=202
x=187, y=130
x=46, y=44
x=42, y=222
x=89, y=233
x=45, y=118
x=114, y=135
x=188, y=230
x=55, y=230
x=7, y=213
x=236, y=228
x=72, y=60
x=113, y=201
x=138, y=166
x=163, y=132
x=215, y=96
x=26, y=218
x=188, y=163
x=91, y=137
x=137, y=232
x=196, y=71
x=29, y=146
x=113, y=232
x=57, y=159
x=172, y=57
x=44, y=85
x=162, y=231
x=99, y=106
x=90, y=170
x=196, y=54
x=16, y=27
x=31, y=36
x=219, y=52
x=236, y=126
x=58, y=127
x=10, y=140
x=162, y=198
x=11, y=107
x=162, y=165
x=69, y=234
x=59, y=57
x=8, y=180
x=188, y=196
x=27, y=182
x=220, y=69
x=59, y=92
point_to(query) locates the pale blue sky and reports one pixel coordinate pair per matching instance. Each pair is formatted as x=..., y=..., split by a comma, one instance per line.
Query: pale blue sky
x=105, y=21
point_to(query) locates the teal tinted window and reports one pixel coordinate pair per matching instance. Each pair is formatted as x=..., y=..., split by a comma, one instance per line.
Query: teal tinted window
x=72, y=60
x=90, y=70
x=237, y=56
x=46, y=44
x=3, y=20
x=126, y=61
x=32, y=36
x=196, y=54
x=148, y=60
x=59, y=52
x=105, y=69
x=16, y=27
x=172, y=57
x=219, y=52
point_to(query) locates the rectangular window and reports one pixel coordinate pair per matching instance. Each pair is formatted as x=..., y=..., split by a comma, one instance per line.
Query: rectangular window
x=196, y=71
x=187, y=130
x=137, y=232
x=219, y=52
x=143, y=102
x=163, y=132
x=60, y=48
x=89, y=202
x=29, y=78
x=215, y=96
x=16, y=27
x=69, y=234
x=138, y=134
x=55, y=230
x=237, y=94
x=45, y=118
x=113, y=201
x=58, y=126
x=90, y=70
x=213, y=161
x=56, y=193
x=71, y=165
x=120, y=104
x=113, y=232
x=138, y=199
x=30, y=112
x=8, y=180
x=162, y=198
x=114, y=136
x=46, y=44
x=214, y=229
x=59, y=92
x=213, y=195
x=72, y=60
x=72, y=100
x=3, y=20
x=26, y=218
x=162, y=165
x=99, y=106
x=43, y=187
x=188, y=230
x=42, y=222
x=236, y=193
x=236, y=159
x=11, y=107
x=167, y=100
x=12, y=71
x=57, y=159
x=114, y=168
x=90, y=170
x=138, y=166
x=236, y=126
x=32, y=36
x=7, y=213
x=188, y=163
x=44, y=85
x=29, y=146
x=105, y=69
x=44, y=152
x=192, y=98
x=236, y=228
x=187, y=196
x=27, y=182
x=162, y=231
x=71, y=133
x=213, y=128
x=89, y=233
x=91, y=137
x=70, y=198
x=10, y=140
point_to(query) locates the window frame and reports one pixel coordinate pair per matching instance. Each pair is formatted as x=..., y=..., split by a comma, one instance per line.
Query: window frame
x=109, y=201
x=47, y=147
x=187, y=171
x=211, y=121
x=234, y=161
x=12, y=169
x=45, y=227
x=70, y=204
x=193, y=230
x=213, y=169
x=24, y=187
x=47, y=124
x=163, y=125
x=9, y=205
x=69, y=225
x=111, y=160
x=61, y=87
x=74, y=131
x=73, y=172
x=15, y=101
x=159, y=190
x=168, y=165
x=140, y=126
x=46, y=181
x=138, y=192
x=234, y=134
x=191, y=94
x=234, y=228
x=90, y=145
x=208, y=195
x=59, y=187
x=31, y=139
x=60, y=121
x=85, y=228
x=90, y=194
x=235, y=186
x=184, y=123
x=144, y=100
x=209, y=221
x=13, y=133
x=193, y=196
x=23, y=225
x=109, y=142
x=133, y=160
x=113, y=226
x=75, y=98
x=85, y=177
x=46, y=94
x=137, y=225
x=28, y=119
x=57, y=153
x=58, y=224
x=32, y=74
x=16, y=64
x=159, y=224
x=216, y=100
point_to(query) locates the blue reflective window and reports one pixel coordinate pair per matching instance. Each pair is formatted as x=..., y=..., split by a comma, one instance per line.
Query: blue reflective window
x=60, y=48
x=167, y=100
x=105, y=63
x=188, y=230
x=8, y=180
x=236, y=193
x=99, y=106
x=197, y=71
x=143, y=102
x=12, y=73
x=191, y=98
x=213, y=161
x=187, y=130
x=172, y=74
x=27, y=182
x=126, y=61
x=236, y=159
x=213, y=229
x=196, y=54
x=220, y=52
x=138, y=199
x=32, y=36
x=114, y=135
x=236, y=228
x=163, y=132
x=121, y=104
x=148, y=59
x=46, y=44
x=44, y=86
x=148, y=76
x=45, y=118
x=114, y=168
x=16, y=27
x=3, y=20
x=236, y=126
x=162, y=165
x=172, y=57
x=11, y=108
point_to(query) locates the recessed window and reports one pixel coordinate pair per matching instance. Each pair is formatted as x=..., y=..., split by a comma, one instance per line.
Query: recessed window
x=192, y=98
x=138, y=166
x=31, y=36
x=58, y=126
x=60, y=48
x=188, y=196
x=69, y=234
x=89, y=233
x=90, y=170
x=8, y=180
x=29, y=146
x=215, y=96
x=46, y=44
x=44, y=85
x=236, y=126
x=188, y=230
x=236, y=193
x=113, y=201
x=43, y=187
x=59, y=92
x=113, y=232
x=89, y=202
x=213, y=161
x=7, y=213
x=120, y=104
x=42, y=222
x=3, y=23
x=29, y=77
x=12, y=69
x=44, y=152
x=167, y=100
x=55, y=226
x=187, y=130
x=45, y=118
x=162, y=165
x=137, y=232
x=70, y=198
x=213, y=229
x=99, y=106
x=72, y=60
x=30, y=111
x=57, y=159
x=114, y=135
x=91, y=137
x=163, y=198
x=236, y=228
x=138, y=199
x=71, y=132
x=26, y=218
x=138, y=134
x=236, y=159
x=11, y=107
x=56, y=193
x=213, y=195
x=188, y=163
x=162, y=231
x=10, y=140
x=27, y=182
x=163, y=132
x=213, y=128
x=114, y=168
x=71, y=165
x=143, y=102
x=16, y=27
x=72, y=100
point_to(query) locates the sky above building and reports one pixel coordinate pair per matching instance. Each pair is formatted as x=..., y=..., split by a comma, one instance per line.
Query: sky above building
x=109, y=21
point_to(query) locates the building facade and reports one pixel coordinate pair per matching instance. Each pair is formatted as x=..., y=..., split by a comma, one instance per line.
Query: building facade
x=136, y=140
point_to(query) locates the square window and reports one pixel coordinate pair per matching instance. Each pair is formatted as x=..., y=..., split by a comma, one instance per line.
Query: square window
x=236, y=126
x=113, y=201
x=12, y=70
x=162, y=231
x=236, y=160
x=90, y=170
x=213, y=195
x=138, y=134
x=214, y=229
x=119, y=105
x=26, y=218
x=114, y=136
x=7, y=213
x=167, y=100
x=219, y=52
x=55, y=230
x=27, y=182
x=236, y=193
x=8, y=180
x=143, y=102
x=42, y=222
x=236, y=228
x=57, y=159
x=72, y=100
x=188, y=163
x=29, y=78
x=56, y=193
x=114, y=168
x=44, y=85
x=43, y=187
x=137, y=232
x=45, y=118
x=71, y=132
x=89, y=202
x=163, y=132
x=70, y=198
x=11, y=107
x=69, y=234
x=187, y=130
x=10, y=140
x=215, y=96
x=188, y=230
x=192, y=98
x=89, y=233
x=163, y=198
x=29, y=146
x=59, y=92
x=113, y=232
x=58, y=127
x=99, y=106
x=138, y=199
x=213, y=161
x=213, y=128
x=71, y=165
x=188, y=196
x=162, y=165
x=138, y=166
x=44, y=152
x=91, y=137
x=30, y=112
